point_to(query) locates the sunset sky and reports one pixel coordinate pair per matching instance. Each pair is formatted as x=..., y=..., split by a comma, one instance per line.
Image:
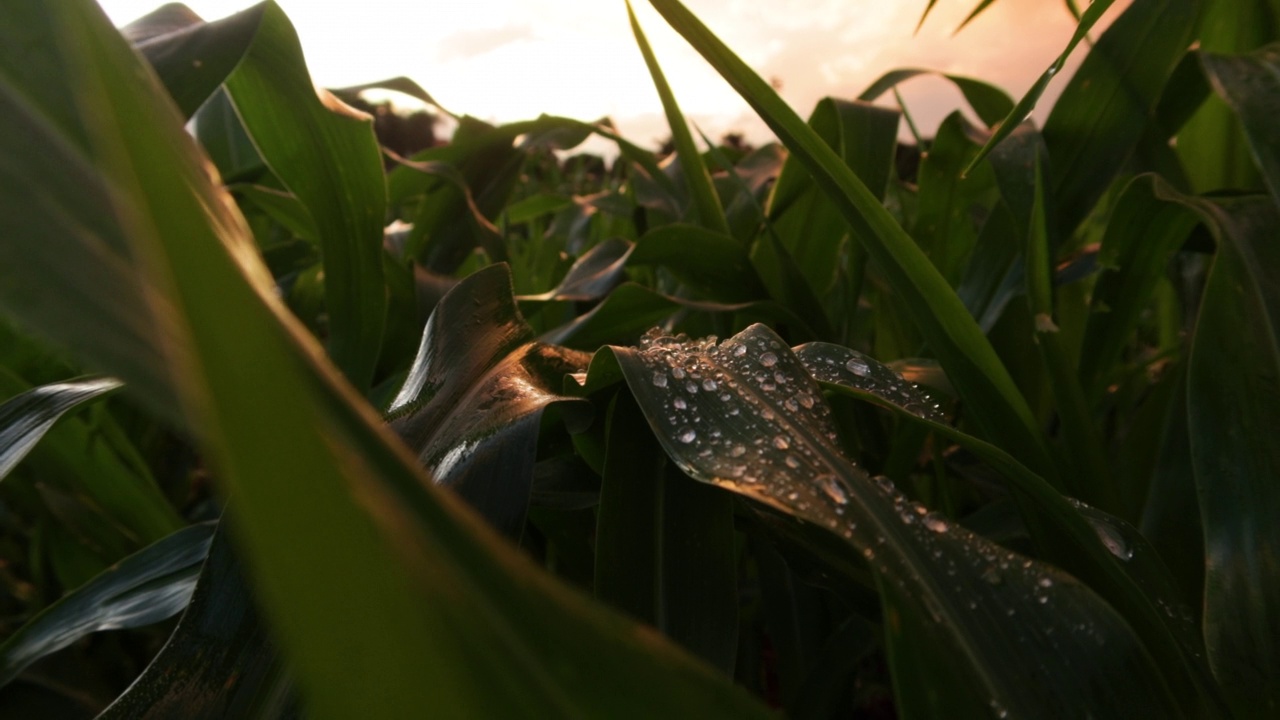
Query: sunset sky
x=506, y=60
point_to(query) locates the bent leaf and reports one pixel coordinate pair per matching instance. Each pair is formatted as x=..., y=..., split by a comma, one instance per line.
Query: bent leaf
x=25, y=418
x=744, y=415
x=472, y=403
x=151, y=585
x=950, y=331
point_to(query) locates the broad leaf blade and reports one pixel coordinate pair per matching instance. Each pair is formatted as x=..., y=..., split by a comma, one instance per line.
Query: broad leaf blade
x=665, y=545
x=472, y=403
x=1251, y=86
x=754, y=422
x=329, y=159
x=1233, y=401
x=1106, y=107
x=219, y=662
x=25, y=418
x=149, y=586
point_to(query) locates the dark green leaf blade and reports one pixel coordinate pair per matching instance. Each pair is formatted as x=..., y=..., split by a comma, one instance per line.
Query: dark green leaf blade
x=665, y=544
x=1233, y=392
x=151, y=585
x=754, y=422
x=220, y=661
x=1096, y=547
x=1143, y=233
x=473, y=400
x=25, y=418
x=1251, y=86
x=1106, y=106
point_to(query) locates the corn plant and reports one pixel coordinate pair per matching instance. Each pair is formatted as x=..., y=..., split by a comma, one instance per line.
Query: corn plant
x=811, y=428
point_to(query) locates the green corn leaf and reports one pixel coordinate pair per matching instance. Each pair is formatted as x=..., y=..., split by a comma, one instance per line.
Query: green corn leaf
x=473, y=401
x=25, y=418
x=386, y=595
x=151, y=585
x=1232, y=405
x=698, y=179
x=990, y=103
x=665, y=545
x=1107, y=106
x=945, y=324
x=1098, y=547
x=1250, y=84
x=744, y=415
x=328, y=158
x=193, y=58
x=220, y=660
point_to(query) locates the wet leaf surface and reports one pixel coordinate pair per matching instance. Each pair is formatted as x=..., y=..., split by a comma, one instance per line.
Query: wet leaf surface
x=745, y=415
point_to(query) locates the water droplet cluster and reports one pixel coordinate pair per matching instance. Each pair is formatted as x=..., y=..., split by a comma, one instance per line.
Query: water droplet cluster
x=842, y=366
x=746, y=414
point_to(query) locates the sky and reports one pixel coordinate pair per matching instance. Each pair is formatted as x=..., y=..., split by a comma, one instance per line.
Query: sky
x=508, y=60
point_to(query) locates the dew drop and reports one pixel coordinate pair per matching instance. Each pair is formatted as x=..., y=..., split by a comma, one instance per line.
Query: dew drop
x=1045, y=582
x=1114, y=542
x=738, y=451
x=687, y=435
x=691, y=387
x=832, y=487
x=792, y=462
x=781, y=442
x=806, y=400
x=739, y=350
x=679, y=403
x=659, y=380
x=768, y=359
x=934, y=522
x=709, y=385
x=677, y=373
x=858, y=366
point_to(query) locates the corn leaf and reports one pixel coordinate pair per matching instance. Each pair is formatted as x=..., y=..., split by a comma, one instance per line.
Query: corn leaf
x=946, y=325
x=386, y=595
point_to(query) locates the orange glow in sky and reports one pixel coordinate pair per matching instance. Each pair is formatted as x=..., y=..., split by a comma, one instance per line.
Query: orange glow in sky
x=506, y=60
